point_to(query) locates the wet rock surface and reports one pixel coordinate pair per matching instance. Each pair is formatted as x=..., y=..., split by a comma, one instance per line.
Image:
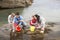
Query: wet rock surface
x=15, y=3
x=53, y=35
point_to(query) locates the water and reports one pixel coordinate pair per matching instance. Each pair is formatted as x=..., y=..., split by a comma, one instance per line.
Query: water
x=50, y=9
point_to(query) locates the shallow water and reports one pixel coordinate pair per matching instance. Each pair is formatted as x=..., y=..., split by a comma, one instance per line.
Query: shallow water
x=46, y=8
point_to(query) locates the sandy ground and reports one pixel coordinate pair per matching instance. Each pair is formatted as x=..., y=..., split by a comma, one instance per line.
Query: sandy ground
x=53, y=35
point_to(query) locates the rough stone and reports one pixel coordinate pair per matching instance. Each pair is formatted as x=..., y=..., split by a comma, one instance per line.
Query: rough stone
x=15, y=3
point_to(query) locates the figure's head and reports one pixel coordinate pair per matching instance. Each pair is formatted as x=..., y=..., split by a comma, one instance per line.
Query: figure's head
x=17, y=14
x=12, y=14
x=37, y=17
x=33, y=17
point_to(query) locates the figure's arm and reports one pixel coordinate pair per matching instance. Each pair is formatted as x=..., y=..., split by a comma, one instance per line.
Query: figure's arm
x=9, y=19
x=43, y=23
x=21, y=19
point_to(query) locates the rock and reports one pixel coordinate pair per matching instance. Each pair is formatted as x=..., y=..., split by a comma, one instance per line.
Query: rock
x=15, y=3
